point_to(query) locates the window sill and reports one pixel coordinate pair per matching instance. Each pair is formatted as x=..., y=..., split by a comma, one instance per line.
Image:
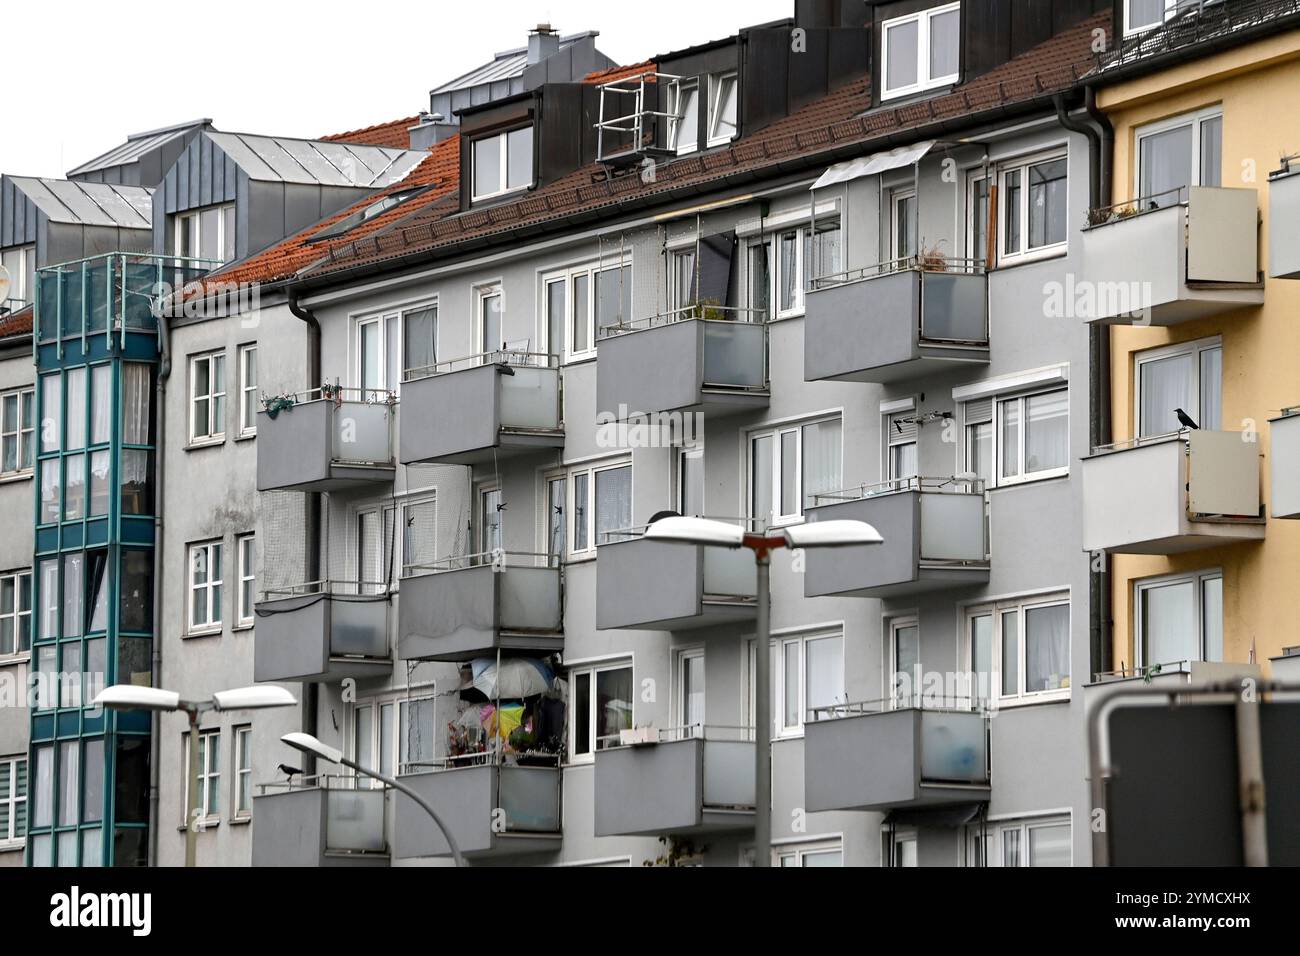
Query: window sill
x=242, y=821
x=1035, y=700
x=13, y=846
x=246, y=437
x=10, y=660
x=1030, y=258
x=17, y=476
x=211, y=823
x=240, y=628
x=206, y=443
x=1035, y=480
x=205, y=632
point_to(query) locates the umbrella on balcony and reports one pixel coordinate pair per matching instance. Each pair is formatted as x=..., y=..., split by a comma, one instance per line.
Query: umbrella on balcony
x=513, y=679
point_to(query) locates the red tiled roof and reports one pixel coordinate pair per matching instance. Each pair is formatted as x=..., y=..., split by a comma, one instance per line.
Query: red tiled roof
x=440, y=171
x=393, y=134
x=840, y=119
x=17, y=324
x=612, y=73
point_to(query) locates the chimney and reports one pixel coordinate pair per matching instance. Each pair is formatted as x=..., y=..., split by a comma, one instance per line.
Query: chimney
x=543, y=40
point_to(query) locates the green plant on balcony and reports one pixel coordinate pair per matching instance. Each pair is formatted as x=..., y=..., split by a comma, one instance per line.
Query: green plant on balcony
x=677, y=851
x=275, y=404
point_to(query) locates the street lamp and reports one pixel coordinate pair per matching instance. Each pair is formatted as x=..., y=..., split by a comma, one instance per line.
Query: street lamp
x=131, y=697
x=814, y=534
x=310, y=745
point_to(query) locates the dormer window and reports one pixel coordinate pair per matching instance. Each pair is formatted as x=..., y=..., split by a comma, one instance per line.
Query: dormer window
x=207, y=233
x=684, y=122
x=920, y=51
x=1142, y=15
x=723, y=95
x=503, y=163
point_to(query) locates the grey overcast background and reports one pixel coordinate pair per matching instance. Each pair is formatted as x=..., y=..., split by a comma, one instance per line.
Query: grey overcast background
x=292, y=69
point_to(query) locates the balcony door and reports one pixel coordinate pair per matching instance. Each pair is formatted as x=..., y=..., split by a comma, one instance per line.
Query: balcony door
x=1189, y=376
x=690, y=692
x=1184, y=151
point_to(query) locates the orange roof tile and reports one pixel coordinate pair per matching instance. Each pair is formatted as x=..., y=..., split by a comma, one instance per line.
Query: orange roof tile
x=17, y=323
x=393, y=134
x=613, y=73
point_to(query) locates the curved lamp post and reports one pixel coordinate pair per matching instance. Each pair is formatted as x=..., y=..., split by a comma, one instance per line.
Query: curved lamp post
x=131, y=697
x=310, y=745
x=720, y=534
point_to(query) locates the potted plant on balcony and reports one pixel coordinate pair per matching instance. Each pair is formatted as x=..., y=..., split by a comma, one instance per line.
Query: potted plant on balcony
x=932, y=259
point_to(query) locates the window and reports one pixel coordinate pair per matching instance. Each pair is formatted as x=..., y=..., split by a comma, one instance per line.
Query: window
x=920, y=51
x=374, y=549
x=905, y=662
x=901, y=432
x=209, y=780
x=902, y=232
x=584, y=301
x=247, y=390
x=1044, y=841
x=1034, y=208
x=394, y=734
x=207, y=233
x=243, y=764
x=1140, y=15
x=419, y=533
x=419, y=340
x=684, y=278
x=20, y=263
x=690, y=481
x=503, y=163
x=17, y=431
x=684, y=123
x=690, y=691
x=1179, y=618
x=898, y=848
x=490, y=509
x=977, y=213
x=246, y=548
x=555, y=524
x=1033, y=436
x=13, y=799
x=779, y=268
x=723, y=95
x=205, y=587
x=1175, y=153
x=978, y=421
x=828, y=853
x=807, y=674
x=15, y=612
x=601, y=506
x=1188, y=375
x=378, y=349
x=489, y=314
x=1021, y=649
x=789, y=466
x=207, y=398
x=602, y=706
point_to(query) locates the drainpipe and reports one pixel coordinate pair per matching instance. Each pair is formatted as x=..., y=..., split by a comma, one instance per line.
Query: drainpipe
x=159, y=471
x=310, y=705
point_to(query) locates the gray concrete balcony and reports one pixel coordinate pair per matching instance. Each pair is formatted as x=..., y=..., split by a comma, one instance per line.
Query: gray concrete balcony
x=897, y=320
x=1166, y=674
x=705, y=359
x=335, y=823
x=492, y=810
x=1167, y=494
x=322, y=632
x=687, y=781
x=482, y=408
x=936, y=538
x=461, y=608
x=670, y=586
x=326, y=440
x=1284, y=222
x=868, y=757
x=1284, y=463
x=1161, y=260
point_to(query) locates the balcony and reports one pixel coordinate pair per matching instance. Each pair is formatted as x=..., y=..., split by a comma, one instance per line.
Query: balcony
x=326, y=439
x=333, y=824
x=699, y=781
x=493, y=811
x=898, y=320
x=1284, y=222
x=867, y=757
x=705, y=359
x=482, y=408
x=1167, y=494
x=670, y=586
x=462, y=608
x=1170, y=258
x=1284, y=464
x=322, y=632
x=936, y=538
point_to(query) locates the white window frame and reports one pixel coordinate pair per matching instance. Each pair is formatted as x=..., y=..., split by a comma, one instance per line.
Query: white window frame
x=679, y=298
x=568, y=276
x=504, y=153
x=20, y=397
x=192, y=220
x=891, y=839
x=799, y=851
x=1198, y=580
x=1017, y=607
x=246, y=556
x=403, y=507
x=684, y=454
x=892, y=626
x=212, y=621
x=975, y=178
x=241, y=752
x=681, y=658
x=676, y=92
x=924, y=81
x=209, y=779
x=247, y=354
x=1195, y=348
x=398, y=702
x=216, y=430
x=386, y=515
x=8, y=838
x=19, y=289
x=776, y=647
x=595, y=745
x=22, y=583
x=968, y=424
x=1195, y=119
x=589, y=507
x=1021, y=476
x=1171, y=8
x=482, y=293
x=994, y=829
x=891, y=440
x=1022, y=166
x=897, y=197
x=716, y=82
x=384, y=322
x=775, y=433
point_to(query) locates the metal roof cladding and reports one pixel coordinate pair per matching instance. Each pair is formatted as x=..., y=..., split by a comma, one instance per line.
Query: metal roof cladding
x=316, y=162
x=88, y=204
x=136, y=145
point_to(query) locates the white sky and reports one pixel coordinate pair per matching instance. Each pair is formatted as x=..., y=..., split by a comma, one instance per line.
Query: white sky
x=83, y=75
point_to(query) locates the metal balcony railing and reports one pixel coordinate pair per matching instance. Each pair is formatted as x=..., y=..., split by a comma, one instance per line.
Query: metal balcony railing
x=635, y=132
x=922, y=262
x=956, y=484
x=511, y=357
x=699, y=310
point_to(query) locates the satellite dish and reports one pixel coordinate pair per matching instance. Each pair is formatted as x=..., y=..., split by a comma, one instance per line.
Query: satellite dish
x=5, y=283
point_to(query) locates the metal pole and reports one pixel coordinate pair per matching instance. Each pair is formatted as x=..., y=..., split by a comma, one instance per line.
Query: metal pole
x=192, y=804
x=423, y=803
x=1250, y=768
x=763, y=719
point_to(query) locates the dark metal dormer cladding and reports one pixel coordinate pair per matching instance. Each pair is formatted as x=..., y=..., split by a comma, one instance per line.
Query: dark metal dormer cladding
x=989, y=34
x=263, y=189
x=782, y=72
x=143, y=160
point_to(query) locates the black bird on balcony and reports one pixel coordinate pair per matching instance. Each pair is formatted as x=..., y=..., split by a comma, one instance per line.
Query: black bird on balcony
x=289, y=772
x=1185, y=419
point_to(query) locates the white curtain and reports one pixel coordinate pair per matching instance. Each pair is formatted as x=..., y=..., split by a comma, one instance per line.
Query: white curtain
x=135, y=403
x=1047, y=434
x=821, y=458
x=1166, y=384
x=613, y=501
x=1169, y=623
x=101, y=402
x=1047, y=647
